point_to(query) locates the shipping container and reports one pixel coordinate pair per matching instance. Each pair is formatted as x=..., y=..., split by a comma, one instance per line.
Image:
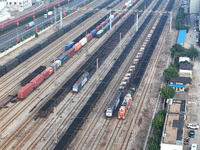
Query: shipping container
x=113, y=103
x=83, y=41
x=88, y=36
x=115, y=14
x=47, y=72
x=77, y=46
x=81, y=82
x=70, y=52
x=24, y=91
x=37, y=80
x=59, y=63
x=53, y=65
x=93, y=32
x=98, y=27
x=100, y=33
x=63, y=58
x=103, y=24
x=115, y=18
x=69, y=45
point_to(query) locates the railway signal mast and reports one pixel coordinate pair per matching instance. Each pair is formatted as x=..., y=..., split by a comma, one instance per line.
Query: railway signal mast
x=61, y=23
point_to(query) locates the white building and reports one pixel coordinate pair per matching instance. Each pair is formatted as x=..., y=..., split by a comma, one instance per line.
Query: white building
x=19, y=5
x=194, y=6
x=185, y=70
x=182, y=59
x=4, y=15
x=172, y=138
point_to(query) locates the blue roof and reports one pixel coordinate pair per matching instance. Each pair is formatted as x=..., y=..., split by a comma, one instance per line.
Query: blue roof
x=181, y=36
x=177, y=85
x=183, y=3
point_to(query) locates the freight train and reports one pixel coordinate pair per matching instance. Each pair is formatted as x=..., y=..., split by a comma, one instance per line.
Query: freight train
x=48, y=107
x=113, y=103
x=81, y=82
x=124, y=107
x=36, y=48
x=70, y=50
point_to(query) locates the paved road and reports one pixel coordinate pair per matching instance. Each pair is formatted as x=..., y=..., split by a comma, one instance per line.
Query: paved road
x=21, y=32
x=193, y=101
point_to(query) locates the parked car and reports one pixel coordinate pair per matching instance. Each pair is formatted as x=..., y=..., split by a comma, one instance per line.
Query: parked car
x=192, y=126
x=191, y=133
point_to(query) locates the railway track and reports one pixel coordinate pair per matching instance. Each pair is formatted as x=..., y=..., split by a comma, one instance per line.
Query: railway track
x=116, y=132
x=93, y=143
x=37, y=55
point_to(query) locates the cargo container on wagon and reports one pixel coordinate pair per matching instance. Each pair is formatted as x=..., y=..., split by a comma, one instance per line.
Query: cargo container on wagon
x=62, y=58
x=88, y=36
x=77, y=46
x=70, y=52
x=69, y=45
x=93, y=32
x=37, y=80
x=81, y=82
x=83, y=41
x=100, y=33
x=124, y=107
x=113, y=103
x=24, y=91
x=103, y=24
x=59, y=63
x=47, y=72
x=98, y=27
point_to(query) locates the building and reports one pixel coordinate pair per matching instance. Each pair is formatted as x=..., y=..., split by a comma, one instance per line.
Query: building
x=19, y=5
x=180, y=83
x=4, y=15
x=183, y=59
x=172, y=137
x=194, y=6
x=185, y=70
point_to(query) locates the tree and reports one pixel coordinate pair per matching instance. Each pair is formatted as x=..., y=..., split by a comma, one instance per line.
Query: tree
x=192, y=52
x=167, y=92
x=177, y=50
x=170, y=72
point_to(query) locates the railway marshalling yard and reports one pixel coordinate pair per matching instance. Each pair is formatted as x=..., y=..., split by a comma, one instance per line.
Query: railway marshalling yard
x=20, y=127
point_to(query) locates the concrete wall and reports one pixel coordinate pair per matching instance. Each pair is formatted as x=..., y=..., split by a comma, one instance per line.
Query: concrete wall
x=165, y=146
x=194, y=6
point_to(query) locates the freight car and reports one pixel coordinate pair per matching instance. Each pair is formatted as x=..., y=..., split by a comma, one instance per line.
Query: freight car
x=81, y=82
x=112, y=105
x=124, y=107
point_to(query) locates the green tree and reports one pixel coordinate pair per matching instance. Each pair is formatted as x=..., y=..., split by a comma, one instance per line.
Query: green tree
x=170, y=72
x=192, y=52
x=167, y=92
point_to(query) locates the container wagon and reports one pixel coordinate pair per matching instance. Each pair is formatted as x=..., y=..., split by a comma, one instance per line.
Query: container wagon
x=124, y=107
x=113, y=104
x=81, y=81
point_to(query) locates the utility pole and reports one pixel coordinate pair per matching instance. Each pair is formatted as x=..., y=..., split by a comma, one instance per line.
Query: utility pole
x=55, y=15
x=110, y=22
x=170, y=29
x=55, y=127
x=137, y=21
x=120, y=38
x=61, y=18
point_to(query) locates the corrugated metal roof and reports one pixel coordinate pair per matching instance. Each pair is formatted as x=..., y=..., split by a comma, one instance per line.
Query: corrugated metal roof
x=181, y=36
x=177, y=85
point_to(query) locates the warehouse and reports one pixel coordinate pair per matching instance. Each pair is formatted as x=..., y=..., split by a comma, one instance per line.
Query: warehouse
x=174, y=126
